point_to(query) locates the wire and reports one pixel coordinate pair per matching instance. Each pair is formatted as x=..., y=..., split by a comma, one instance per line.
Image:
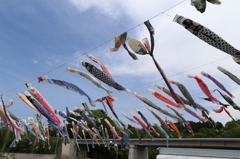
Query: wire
x=102, y=44
x=181, y=72
x=98, y=46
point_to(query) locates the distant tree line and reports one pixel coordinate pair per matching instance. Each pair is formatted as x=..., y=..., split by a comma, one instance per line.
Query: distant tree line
x=202, y=130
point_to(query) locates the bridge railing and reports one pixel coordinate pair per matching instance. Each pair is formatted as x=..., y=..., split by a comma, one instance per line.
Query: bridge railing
x=217, y=143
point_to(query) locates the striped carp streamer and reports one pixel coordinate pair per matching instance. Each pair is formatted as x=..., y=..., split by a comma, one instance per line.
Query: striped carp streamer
x=200, y=5
x=75, y=132
x=132, y=120
x=210, y=120
x=23, y=124
x=208, y=36
x=185, y=93
x=151, y=104
x=217, y=83
x=5, y=116
x=7, y=111
x=228, y=99
x=90, y=78
x=161, y=129
x=66, y=85
x=50, y=117
x=90, y=113
x=104, y=68
x=220, y=103
x=149, y=125
x=145, y=128
x=229, y=74
x=103, y=76
x=3, y=113
x=84, y=116
x=42, y=103
x=188, y=96
x=164, y=125
x=120, y=40
x=143, y=117
x=203, y=108
x=35, y=130
x=186, y=124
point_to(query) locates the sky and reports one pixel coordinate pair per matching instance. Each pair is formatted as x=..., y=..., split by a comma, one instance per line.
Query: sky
x=45, y=37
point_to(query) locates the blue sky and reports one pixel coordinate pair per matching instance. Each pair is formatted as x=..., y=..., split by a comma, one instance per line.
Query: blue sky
x=45, y=37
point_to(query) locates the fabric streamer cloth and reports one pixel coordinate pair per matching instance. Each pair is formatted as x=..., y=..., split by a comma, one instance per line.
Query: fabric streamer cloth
x=217, y=83
x=208, y=36
x=103, y=76
x=200, y=5
x=66, y=85
x=121, y=40
x=229, y=74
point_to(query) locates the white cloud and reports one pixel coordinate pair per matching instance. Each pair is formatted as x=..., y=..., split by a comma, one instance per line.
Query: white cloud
x=104, y=7
x=49, y=63
x=174, y=45
x=136, y=10
x=34, y=61
x=177, y=51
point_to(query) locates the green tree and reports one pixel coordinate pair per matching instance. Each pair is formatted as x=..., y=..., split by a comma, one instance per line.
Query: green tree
x=231, y=124
x=231, y=133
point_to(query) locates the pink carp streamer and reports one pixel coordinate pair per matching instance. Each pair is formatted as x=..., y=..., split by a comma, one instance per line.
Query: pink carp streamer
x=112, y=128
x=145, y=128
x=10, y=121
x=204, y=88
x=223, y=108
x=35, y=130
x=146, y=122
x=109, y=100
x=44, y=103
x=141, y=123
x=104, y=68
